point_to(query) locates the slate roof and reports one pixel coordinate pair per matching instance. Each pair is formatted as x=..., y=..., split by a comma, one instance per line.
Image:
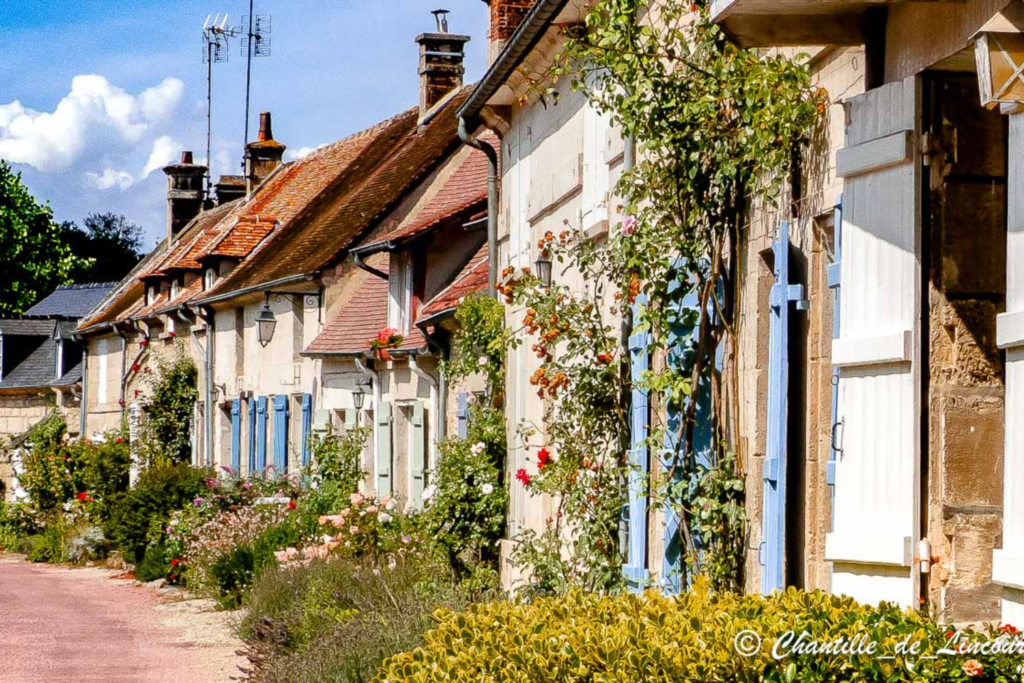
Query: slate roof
x=38, y=368
x=72, y=301
x=471, y=279
x=26, y=327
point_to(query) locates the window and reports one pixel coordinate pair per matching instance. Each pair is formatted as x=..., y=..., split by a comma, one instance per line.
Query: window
x=150, y=295
x=59, y=356
x=209, y=278
x=174, y=289
x=400, y=293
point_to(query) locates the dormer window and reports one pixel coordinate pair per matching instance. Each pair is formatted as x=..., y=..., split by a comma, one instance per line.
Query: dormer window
x=209, y=277
x=400, y=293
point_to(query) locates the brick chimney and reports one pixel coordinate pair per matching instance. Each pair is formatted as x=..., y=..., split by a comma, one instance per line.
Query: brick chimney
x=506, y=15
x=262, y=156
x=185, y=194
x=441, y=62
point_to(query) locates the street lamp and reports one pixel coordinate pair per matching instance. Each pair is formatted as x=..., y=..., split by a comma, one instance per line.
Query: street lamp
x=265, y=323
x=542, y=269
x=999, y=54
x=359, y=395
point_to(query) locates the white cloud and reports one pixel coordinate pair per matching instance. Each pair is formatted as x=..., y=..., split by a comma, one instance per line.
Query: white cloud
x=110, y=177
x=165, y=151
x=303, y=151
x=93, y=115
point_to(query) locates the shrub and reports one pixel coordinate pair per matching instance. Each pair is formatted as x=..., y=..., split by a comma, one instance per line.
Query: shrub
x=465, y=504
x=585, y=637
x=140, y=516
x=166, y=431
x=232, y=574
x=154, y=563
x=338, y=459
x=338, y=620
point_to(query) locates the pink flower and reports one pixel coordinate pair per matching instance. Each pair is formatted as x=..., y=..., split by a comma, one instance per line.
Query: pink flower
x=247, y=485
x=372, y=509
x=353, y=530
x=628, y=225
x=972, y=667
x=356, y=498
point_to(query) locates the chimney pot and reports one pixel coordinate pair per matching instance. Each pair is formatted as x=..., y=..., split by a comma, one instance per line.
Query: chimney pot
x=185, y=193
x=186, y=158
x=266, y=127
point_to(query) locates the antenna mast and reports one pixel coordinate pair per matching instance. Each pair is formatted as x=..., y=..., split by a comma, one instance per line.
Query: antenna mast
x=215, y=49
x=257, y=44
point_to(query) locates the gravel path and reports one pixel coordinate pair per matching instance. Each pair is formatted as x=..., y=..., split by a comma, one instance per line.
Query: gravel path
x=60, y=624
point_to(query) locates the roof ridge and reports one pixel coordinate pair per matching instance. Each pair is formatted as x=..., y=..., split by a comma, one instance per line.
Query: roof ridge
x=87, y=285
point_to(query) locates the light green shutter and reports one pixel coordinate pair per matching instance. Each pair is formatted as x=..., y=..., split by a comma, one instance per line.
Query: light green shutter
x=384, y=448
x=350, y=419
x=418, y=460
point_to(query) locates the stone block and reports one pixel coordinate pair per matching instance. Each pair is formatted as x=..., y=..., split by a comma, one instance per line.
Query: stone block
x=973, y=605
x=972, y=451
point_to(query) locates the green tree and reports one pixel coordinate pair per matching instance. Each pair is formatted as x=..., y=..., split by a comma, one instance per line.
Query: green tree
x=111, y=243
x=34, y=259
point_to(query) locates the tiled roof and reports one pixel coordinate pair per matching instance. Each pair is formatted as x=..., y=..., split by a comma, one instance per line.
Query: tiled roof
x=72, y=301
x=239, y=240
x=472, y=278
x=184, y=295
x=464, y=190
x=192, y=240
x=386, y=162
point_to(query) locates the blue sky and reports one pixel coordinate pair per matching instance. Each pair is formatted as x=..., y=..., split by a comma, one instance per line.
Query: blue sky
x=96, y=95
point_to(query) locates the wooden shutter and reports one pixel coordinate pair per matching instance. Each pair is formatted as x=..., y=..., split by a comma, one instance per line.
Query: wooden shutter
x=383, y=416
x=281, y=434
x=307, y=426
x=349, y=418
x=236, y=434
x=252, y=435
x=1008, y=561
x=834, y=280
x=781, y=298
x=261, y=433
x=462, y=413
x=418, y=465
x=635, y=567
x=876, y=518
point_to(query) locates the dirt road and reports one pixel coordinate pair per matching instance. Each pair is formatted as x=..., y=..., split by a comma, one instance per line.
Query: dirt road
x=80, y=625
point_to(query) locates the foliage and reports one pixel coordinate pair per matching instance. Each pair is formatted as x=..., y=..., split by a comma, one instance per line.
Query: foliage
x=167, y=430
x=633, y=639
x=337, y=620
x=140, y=516
x=35, y=259
x=109, y=243
x=479, y=343
x=466, y=500
x=338, y=459
x=717, y=128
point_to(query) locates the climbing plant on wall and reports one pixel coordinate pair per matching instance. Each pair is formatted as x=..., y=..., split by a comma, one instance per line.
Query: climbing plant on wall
x=166, y=434
x=716, y=129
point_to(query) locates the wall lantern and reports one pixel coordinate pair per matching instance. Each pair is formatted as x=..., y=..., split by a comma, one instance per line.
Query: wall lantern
x=359, y=395
x=542, y=269
x=999, y=54
x=265, y=323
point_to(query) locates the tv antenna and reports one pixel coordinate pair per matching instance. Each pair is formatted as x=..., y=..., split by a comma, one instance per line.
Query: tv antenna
x=256, y=44
x=215, y=49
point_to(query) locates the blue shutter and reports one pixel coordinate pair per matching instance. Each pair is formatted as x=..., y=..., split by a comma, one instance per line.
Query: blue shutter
x=462, y=412
x=281, y=434
x=261, y=433
x=307, y=426
x=252, y=435
x=773, y=544
x=634, y=570
x=681, y=345
x=236, y=434
x=833, y=283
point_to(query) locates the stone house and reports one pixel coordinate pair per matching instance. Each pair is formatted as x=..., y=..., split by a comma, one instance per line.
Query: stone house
x=900, y=479
x=254, y=285
x=41, y=364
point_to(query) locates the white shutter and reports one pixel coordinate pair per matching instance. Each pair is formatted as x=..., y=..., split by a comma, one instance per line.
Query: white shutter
x=877, y=488
x=1008, y=561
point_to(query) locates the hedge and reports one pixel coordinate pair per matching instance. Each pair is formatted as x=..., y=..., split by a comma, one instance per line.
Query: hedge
x=694, y=637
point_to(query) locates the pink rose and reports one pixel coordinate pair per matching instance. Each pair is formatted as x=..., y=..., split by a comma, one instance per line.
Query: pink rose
x=628, y=225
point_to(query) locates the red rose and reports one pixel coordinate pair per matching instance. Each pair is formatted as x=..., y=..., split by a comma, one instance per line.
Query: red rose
x=523, y=477
x=118, y=440
x=174, y=562
x=543, y=457
x=291, y=505
x=135, y=367
x=172, y=334
x=143, y=342
x=83, y=496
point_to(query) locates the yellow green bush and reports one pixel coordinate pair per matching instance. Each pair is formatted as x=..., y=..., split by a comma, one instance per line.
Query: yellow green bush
x=693, y=637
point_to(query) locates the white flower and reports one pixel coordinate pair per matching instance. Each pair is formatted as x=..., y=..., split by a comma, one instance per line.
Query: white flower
x=384, y=518
x=478, y=448
x=482, y=360
x=487, y=489
x=429, y=492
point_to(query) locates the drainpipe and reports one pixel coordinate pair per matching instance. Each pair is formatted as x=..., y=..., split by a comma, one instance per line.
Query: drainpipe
x=492, y=203
x=206, y=314
x=375, y=388
x=434, y=400
x=83, y=402
x=124, y=360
